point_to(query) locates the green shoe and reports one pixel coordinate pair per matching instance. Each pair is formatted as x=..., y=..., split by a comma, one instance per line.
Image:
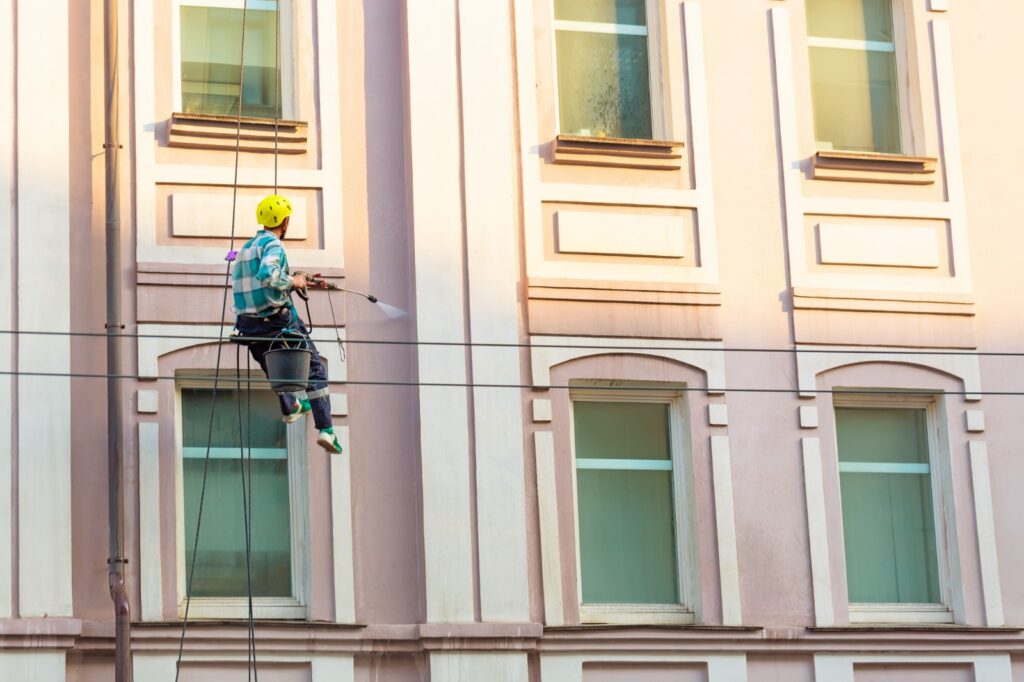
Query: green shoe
x=328, y=441
x=302, y=408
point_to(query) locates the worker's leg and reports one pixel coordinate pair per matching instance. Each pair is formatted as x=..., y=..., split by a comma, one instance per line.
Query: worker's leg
x=258, y=350
x=317, y=391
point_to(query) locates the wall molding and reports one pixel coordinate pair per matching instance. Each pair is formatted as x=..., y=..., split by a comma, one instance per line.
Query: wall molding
x=985, y=523
x=548, y=351
x=569, y=668
x=962, y=365
x=840, y=667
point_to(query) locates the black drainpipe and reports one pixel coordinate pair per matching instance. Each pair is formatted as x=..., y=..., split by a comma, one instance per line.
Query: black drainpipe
x=115, y=471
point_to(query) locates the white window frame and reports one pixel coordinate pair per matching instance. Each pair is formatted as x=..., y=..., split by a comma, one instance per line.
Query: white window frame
x=655, y=65
x=940, y=475
x=682, y=613
x=295, y=607
x=289, y=106
x=900, y=47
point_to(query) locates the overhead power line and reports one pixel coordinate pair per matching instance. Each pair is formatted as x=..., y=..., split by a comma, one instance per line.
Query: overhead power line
x=223, y=380
x=584, y=346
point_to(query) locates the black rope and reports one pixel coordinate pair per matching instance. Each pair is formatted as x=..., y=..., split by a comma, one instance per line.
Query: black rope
x=220, y=347
x=243, y=464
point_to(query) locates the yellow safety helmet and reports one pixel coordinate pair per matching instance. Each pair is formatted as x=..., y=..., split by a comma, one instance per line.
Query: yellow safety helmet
x=273, y=210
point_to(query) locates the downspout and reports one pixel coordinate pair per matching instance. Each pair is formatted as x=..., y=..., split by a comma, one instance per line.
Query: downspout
x=115, y=471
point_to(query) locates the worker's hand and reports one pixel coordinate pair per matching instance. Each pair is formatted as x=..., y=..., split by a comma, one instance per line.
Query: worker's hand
x=299, y=281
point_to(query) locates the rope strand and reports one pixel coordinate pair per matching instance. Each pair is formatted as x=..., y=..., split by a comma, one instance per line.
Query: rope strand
x=220, y=345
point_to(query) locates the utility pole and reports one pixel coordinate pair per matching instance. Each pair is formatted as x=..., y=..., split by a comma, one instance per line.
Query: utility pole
x=115, y=473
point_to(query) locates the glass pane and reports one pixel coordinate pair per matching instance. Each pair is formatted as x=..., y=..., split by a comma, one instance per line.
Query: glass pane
x=210, y=52
x=603, y=11
x=604, y=85
x=621, y=430
x=627, y=537
x=850, y=19
x=889, y=533
x=856, y=103
x=266, y=427
x=880, y=435
x=220, y=566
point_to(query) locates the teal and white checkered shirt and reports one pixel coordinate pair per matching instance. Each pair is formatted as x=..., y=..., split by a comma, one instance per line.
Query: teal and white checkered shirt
x=260, y=279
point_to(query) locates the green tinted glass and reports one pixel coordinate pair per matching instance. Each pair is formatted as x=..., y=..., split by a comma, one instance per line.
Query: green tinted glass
x=888, y=517
x=266, y=427
x=881, y=435
x=621, y=430
x=627, y=538
x=210, y=55
x=856, y=102
x=630, y=12
x=604, y=87
x=850, y=19
x=220, y=568
x=626, y=508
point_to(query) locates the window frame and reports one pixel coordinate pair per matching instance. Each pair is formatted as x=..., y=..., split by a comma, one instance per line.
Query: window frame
x=655, y=68
x=289, y=69
x=939, y=461
x=295, y=607
x=680, y=448
x=902, y=23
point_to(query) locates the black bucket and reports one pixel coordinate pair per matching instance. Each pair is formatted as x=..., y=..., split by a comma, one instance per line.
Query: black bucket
x=288, y=366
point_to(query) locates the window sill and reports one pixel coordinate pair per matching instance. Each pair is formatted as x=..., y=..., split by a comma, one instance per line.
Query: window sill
x=900, y=614
x=237, y=608
x=873, y=167
x=635, y=614
x=208, y=131
x=617, y=152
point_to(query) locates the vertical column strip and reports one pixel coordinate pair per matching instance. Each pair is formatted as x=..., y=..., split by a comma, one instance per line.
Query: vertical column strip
x=149, y=522
x=435, y=173
x=550, y=549
x=725, y=524
x=985, y=520
x=341, y=530
x=7, y=46
x=44, y=293
x=491, y=201
x=817, y=533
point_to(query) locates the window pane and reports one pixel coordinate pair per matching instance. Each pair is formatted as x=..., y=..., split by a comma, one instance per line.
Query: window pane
x=888, y=519
x=850, y=19
x=603, y=11
x=621, y=430
x=603, y=84
x=220, y=564
x=210, y=52
x=627, y=538
x=266, y=427
x=879, y=435
x=856, y=103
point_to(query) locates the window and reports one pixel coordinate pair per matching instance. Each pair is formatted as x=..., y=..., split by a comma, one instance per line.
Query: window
x=889, y=512
x=855, y=78
x=220, y=563
x=627, y=485
x=208, y=38
x=604, y=69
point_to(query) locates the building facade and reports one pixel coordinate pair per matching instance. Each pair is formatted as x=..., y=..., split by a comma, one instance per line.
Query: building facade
x=710, y=368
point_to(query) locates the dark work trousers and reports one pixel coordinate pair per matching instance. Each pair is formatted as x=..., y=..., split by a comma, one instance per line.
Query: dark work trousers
x=271, y=326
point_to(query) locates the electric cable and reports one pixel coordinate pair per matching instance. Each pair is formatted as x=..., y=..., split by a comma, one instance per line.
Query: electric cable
x=867, y=350
x=206, y=378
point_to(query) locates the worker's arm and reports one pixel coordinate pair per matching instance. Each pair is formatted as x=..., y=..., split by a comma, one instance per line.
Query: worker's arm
x=272, y=269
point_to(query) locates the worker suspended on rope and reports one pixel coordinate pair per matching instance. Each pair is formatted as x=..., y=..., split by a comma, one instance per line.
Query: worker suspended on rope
x=262, y=285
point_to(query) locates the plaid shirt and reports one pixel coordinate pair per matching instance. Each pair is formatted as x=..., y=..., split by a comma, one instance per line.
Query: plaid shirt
x=260, y=279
